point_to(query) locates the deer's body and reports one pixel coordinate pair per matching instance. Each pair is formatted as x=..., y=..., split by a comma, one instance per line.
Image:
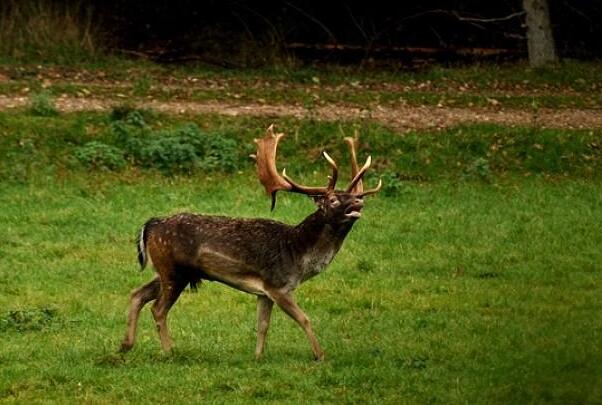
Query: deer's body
x=252, y=255
x=262, y=257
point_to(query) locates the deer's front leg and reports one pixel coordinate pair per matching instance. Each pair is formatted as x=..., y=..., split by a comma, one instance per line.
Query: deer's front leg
x=290, y=307
x=264, y=311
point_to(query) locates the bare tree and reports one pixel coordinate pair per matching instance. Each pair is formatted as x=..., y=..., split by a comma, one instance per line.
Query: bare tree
x=540, y=41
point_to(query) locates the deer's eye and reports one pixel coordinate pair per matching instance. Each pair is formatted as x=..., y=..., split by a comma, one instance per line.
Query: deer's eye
x=334, y=202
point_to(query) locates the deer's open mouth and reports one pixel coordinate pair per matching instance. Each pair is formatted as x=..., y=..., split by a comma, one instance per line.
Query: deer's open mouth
x=353, y=211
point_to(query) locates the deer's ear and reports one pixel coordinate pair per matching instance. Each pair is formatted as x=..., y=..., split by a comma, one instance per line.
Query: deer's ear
x=318, y=200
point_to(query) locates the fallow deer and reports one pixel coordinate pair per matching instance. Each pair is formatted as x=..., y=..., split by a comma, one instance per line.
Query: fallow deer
x=259, y=256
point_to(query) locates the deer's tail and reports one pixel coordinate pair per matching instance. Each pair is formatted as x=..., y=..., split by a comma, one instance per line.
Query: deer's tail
x=142, y=239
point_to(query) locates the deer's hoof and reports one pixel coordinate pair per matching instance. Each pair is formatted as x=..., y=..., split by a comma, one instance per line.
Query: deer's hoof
x=319, y=356
x=125, y=347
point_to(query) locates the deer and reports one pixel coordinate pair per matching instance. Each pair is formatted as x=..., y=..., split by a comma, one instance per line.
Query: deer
x=262, y=257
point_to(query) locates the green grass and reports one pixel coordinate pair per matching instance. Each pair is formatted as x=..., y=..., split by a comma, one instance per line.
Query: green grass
x=473, y=283
x=445, y=293
x=31, y=144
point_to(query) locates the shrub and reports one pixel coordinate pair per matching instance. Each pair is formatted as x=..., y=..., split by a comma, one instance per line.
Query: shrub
x=99, y=155
x=169, y=154
x=392, y=184
x=182, y=149
x=121, y=111
x=185, y=149
x=480, y=169
x=42, y=105
x=219, y=153
x=136, y=118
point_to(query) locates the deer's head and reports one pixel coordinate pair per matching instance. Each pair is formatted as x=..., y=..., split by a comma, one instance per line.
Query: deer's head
x=338, y=206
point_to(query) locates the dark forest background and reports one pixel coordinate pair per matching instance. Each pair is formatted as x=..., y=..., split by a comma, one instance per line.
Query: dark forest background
x=253, y=33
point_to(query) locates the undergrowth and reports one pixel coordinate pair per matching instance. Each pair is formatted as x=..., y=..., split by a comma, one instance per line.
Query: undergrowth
x=183, y=148
x=50, y=31
x=130, y=138
x=41, y=104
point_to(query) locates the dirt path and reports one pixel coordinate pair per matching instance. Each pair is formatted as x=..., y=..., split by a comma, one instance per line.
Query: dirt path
x=401, y=118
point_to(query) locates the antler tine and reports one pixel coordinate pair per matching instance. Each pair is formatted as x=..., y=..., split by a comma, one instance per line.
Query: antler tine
x=268, y=174
x=372, y=190
x=354, y=166
x=298, y=188
x=335, y=171
x=352, y=188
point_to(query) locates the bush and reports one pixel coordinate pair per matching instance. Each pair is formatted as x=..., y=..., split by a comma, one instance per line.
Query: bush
x=479, y=168
x=42, y=105
x=99, y=155
x=169, y=154
x=185, y=149
x=219, y=153
x=182, y=149
x=392, y=184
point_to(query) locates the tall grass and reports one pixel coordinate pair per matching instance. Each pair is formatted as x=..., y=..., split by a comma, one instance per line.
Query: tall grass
x=49, y=31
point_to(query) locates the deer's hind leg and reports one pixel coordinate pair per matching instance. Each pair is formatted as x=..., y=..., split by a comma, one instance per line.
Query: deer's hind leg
x=139, y=298
x=264, y=310
x=172, y=285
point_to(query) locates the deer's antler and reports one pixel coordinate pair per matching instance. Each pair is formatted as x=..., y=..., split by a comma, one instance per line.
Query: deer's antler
x=359, y=187
x=268, y=174
x=356, y=186
x=266, y=164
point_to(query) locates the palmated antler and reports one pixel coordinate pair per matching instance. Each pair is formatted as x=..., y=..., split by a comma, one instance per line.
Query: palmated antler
x=356, y=186
x=268, y=173
x=274, y=182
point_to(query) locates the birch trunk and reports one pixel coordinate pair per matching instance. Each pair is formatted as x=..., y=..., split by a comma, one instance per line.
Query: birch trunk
x=540, y=41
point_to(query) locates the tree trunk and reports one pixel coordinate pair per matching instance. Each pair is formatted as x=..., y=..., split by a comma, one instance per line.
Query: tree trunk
x=540, y=41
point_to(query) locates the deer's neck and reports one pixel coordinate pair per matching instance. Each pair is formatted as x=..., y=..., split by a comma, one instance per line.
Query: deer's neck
x=315, y=242
x=315, y=229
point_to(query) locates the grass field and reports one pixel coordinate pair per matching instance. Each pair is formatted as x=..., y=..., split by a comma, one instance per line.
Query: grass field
x=474, y=277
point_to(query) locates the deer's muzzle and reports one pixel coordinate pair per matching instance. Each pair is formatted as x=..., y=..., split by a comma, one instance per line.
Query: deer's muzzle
x=353, y=211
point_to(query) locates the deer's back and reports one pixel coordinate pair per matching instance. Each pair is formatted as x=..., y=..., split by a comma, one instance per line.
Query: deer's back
x=221, y=248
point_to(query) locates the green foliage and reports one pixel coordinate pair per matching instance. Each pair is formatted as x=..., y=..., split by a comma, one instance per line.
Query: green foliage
x=479, y=168
x=141, y=86
x=27, y=320
x=468, y=152
x=121, y=111
x=186, y=148
x=392, y=184
x=183, y=148
x=97, y=155
x=42, y=105
x=169, y=153
x=488, y=151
